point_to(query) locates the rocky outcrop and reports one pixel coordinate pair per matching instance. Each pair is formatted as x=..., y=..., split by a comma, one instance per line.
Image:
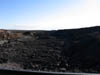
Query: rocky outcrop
x=5, y=35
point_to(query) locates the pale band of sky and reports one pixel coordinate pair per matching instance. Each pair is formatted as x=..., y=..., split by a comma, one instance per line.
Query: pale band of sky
x=77, y=15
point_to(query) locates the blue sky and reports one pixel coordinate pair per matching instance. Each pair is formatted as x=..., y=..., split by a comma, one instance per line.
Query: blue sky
x=48, y=14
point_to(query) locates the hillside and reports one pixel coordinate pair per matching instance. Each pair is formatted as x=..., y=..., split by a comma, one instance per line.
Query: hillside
x=72, y=50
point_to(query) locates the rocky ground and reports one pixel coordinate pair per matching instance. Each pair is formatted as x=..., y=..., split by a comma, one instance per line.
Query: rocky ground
x=75, y=50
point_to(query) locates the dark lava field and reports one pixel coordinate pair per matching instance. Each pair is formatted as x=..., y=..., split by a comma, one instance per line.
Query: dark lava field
x=68, y=50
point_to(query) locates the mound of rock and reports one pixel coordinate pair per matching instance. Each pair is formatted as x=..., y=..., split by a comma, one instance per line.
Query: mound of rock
x=75, y=50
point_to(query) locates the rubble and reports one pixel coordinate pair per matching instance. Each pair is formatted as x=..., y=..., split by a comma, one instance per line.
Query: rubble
x=75, y=50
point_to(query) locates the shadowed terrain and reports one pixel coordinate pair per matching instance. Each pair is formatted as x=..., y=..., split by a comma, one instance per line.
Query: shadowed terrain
x=72, y=50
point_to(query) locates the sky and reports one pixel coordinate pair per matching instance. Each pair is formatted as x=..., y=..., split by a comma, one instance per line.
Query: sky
x=49, y=14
